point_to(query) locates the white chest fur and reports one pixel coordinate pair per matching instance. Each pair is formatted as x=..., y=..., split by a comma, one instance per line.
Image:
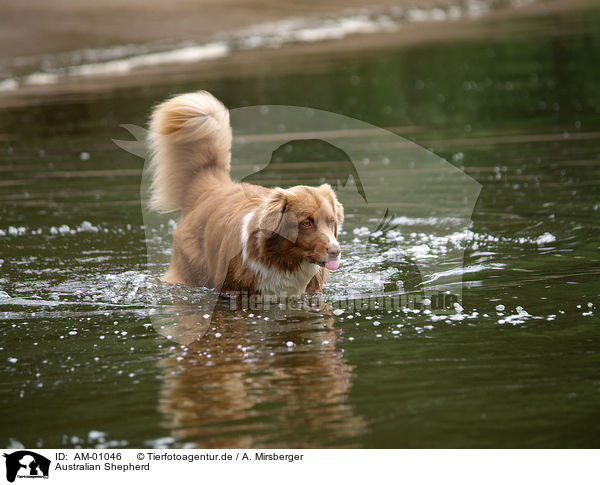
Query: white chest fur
x=274, y=281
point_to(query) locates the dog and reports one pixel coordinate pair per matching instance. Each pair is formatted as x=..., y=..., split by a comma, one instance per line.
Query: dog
x=235, y=237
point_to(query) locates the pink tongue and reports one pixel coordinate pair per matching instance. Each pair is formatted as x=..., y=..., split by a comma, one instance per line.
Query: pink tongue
x=332, y=264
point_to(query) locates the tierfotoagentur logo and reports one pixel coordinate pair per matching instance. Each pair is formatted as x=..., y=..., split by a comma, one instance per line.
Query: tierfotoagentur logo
x=26, y=464
x=407, y=268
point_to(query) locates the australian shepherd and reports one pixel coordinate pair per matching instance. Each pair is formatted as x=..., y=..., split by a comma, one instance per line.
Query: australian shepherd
x=235, y=237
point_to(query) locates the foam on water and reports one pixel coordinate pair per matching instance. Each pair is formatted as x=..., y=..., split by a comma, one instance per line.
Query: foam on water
x=374, y=263
x=62, y=230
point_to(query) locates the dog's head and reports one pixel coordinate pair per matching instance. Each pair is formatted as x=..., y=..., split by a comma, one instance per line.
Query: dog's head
x=301, y=224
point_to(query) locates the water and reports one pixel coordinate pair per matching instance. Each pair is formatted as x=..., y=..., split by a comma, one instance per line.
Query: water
x=308, y=27
x=519, y=111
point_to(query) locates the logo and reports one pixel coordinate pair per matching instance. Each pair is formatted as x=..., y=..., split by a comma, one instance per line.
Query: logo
x=26, y=464
x=388, y=185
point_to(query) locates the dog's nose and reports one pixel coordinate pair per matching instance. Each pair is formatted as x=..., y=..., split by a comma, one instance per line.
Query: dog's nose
x=333, y=251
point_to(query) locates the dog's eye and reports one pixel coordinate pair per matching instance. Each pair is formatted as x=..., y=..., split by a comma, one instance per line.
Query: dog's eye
x=306, y=223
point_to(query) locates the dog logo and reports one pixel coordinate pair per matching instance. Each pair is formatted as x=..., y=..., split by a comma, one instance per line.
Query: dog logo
x=26, y=464
x=363, y=163
x=335, y=166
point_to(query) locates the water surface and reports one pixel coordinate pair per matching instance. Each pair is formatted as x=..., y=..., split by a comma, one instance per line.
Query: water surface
x=84, y=365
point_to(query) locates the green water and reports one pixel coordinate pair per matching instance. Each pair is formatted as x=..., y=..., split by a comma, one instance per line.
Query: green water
x=84, y=363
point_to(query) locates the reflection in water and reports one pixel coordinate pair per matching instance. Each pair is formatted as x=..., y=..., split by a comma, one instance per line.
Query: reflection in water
x=254, y=380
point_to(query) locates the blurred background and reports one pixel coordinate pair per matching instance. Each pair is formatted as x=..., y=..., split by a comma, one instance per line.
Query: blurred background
x=505, y=90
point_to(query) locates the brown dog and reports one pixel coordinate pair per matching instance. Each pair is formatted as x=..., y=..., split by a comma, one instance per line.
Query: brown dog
x=235, y=237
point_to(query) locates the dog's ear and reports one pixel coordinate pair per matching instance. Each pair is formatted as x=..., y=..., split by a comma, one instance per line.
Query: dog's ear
x=272, y=213
x=337, y=207
x=339, y=213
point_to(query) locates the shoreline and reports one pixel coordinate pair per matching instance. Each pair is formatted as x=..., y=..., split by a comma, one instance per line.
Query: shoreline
x=68, y=25
x=247, y=62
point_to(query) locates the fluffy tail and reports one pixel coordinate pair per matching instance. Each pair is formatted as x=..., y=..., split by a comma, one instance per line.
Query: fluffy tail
x=188, y=134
